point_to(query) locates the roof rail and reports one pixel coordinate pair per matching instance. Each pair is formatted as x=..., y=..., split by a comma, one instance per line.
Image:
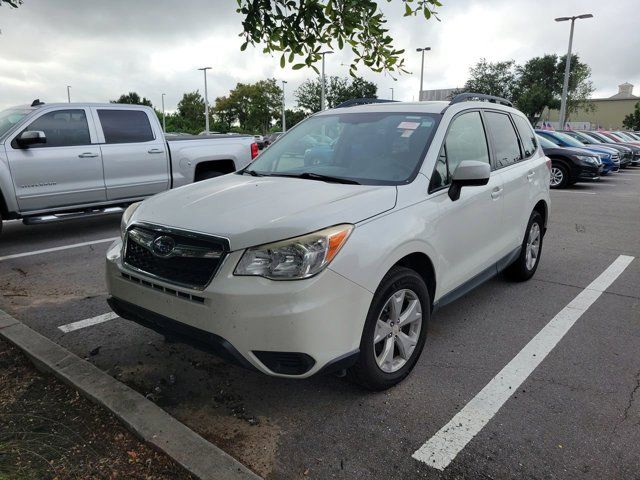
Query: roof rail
x=362, y=101
x=36, y=103
x=466, y=97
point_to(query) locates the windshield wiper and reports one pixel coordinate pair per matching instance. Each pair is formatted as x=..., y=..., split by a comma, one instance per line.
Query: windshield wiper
x=253, y=173
x=318, y=176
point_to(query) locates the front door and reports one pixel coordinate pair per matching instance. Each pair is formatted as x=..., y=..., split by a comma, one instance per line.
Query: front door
x=64, y=171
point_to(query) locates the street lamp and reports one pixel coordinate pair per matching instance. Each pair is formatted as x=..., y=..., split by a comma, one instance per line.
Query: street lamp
x=424, y=49
x=164, y=123
x=69, y=93
x=206, y=100
x=284, y=121
x=391, y=88
x=322, y=82
x=567, y=67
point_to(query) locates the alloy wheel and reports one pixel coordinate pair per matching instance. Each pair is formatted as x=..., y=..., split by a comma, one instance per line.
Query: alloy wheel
x=556, y=176
x=533, y=246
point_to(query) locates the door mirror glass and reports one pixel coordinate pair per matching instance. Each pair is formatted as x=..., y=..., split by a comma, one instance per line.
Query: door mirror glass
x=31, y=137
x=469, y=173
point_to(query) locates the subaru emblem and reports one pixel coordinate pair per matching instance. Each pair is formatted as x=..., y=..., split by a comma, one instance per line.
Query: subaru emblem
x=163, y=246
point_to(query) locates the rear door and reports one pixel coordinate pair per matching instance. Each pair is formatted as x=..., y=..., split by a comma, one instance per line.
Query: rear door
x=66, y=170
x=135, y=156
x=517, y=175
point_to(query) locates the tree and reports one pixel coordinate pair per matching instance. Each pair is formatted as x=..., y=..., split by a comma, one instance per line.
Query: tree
x=299, y=30
x=293, y=117
x=132, y=98
x=11, y=3
x=338, y=90
x=632, y=121
x=497, y=79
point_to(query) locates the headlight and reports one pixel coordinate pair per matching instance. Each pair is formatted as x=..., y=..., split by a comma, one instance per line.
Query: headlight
x=126, y=216
x=296, y=258
x=589, y=159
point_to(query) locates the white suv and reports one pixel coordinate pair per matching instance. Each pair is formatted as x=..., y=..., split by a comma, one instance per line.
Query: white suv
x=334, y=247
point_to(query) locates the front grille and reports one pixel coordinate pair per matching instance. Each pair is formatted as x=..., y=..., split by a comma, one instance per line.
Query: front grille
x=169, y=291
x=191, y=259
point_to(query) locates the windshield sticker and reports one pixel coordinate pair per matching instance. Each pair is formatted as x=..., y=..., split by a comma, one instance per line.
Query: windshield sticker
x=409, y=125
x=407, y=133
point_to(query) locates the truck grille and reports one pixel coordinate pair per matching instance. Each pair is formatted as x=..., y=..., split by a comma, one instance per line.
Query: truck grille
x=178, y=257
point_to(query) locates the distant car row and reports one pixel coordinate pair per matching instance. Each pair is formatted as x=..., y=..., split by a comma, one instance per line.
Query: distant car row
x=587, y=155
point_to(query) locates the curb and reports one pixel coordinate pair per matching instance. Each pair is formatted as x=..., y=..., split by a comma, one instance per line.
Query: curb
x=141, y=416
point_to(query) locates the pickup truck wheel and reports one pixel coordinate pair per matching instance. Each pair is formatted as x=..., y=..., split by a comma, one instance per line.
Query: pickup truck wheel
x=394, y=332
x=559, y=175
x=527, y=262
x=208, y=174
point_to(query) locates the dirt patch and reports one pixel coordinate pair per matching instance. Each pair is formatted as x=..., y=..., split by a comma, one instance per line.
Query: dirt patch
x=48, y=431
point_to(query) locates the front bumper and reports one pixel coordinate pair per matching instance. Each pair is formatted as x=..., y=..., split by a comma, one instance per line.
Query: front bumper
x=281, y=328
x=589, y=172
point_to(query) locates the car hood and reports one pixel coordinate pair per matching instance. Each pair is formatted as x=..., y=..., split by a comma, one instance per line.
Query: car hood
x=569, y=151
x=251, y=211
x=599, y=149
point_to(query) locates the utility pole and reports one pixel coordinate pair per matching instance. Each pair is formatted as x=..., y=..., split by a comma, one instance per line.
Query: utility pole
x=567, y=67
x=391, y=88
x=424, y=49
x=206, y=100
x=322, y=83
x=69, y=93
x=164, y=122
x=284, y=121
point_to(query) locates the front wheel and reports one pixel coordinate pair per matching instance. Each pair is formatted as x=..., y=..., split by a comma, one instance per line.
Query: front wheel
x=559, y=176
x=394, y=332
x=527, y=262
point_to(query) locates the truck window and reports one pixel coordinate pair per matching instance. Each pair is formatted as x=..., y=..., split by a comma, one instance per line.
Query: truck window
x=125, y=126
x=63, y=128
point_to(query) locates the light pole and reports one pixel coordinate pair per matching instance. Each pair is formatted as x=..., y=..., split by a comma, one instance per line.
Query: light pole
x=206, y=100
x=322, y=83
x=69, y=93
x=284, y=121
x=567, y=67
x=391, y=88
x=164, y=123
x=424, y=49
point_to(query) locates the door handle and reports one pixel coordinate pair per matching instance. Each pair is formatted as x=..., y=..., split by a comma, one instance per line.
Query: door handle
x=496, y=192
x=87, y=155
x=155, y=150
x=530, y=175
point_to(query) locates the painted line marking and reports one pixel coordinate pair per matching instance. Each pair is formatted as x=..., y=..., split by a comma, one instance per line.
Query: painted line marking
x=440, y=450
x=57, y=249
x=88, y=322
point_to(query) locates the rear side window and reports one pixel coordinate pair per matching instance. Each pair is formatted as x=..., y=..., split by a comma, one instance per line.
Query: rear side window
x=63, y=128
x=465, y=140
x=527, y=135
x=125, y=126
x=504, y=139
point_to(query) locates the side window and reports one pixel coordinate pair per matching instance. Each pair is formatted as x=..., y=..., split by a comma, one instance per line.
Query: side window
x=63, y=128
x=527, y=136
x=125, y=126
x=504, y=138
x=465, y=140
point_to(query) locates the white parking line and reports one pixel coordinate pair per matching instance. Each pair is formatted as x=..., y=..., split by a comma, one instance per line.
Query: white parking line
x=56, y=249
x=440, y=450
x=88, y=322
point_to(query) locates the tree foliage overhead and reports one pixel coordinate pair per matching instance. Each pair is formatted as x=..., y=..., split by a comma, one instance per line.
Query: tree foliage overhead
x=132, y=98
x=632, y=121
x=11, y=3
x=299, y=30
x=338, y=90
x=535, y=85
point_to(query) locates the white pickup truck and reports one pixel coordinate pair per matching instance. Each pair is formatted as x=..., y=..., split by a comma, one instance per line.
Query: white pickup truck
x=73, y=159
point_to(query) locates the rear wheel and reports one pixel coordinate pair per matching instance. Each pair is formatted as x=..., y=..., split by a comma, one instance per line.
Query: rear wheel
x=527, y=262
x=395, y=330
x=559, y=175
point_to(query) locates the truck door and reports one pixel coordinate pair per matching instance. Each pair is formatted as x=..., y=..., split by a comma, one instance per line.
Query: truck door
x=64, y=171
x=135, y=157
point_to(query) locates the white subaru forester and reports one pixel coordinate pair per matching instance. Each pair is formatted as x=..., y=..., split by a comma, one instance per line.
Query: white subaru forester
x=334, y=247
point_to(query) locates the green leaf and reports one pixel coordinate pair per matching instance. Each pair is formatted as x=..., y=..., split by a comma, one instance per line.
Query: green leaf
x=298, y=66
x=282, y=61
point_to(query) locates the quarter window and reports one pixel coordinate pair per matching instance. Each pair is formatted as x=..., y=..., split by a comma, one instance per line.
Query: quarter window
x=504, y=138
x=63, y=128
x=465, y=140
x=527, y=135
x=125, y=126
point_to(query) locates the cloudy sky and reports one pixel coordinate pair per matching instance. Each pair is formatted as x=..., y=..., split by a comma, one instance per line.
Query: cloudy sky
x=104, y=48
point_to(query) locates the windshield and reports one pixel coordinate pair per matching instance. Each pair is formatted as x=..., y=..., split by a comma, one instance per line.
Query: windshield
x=624, y=136
x=586, y=139
x=569, y=140
x=601, y=137
x=376, y=148
x=11, y=116
x=546, y=143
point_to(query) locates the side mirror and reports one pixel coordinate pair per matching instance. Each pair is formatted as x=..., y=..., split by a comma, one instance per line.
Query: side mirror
x=469, y=173
x=31, y=137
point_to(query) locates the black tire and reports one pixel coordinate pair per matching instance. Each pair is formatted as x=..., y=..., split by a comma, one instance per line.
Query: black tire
x=366, y=371
x=518, y=271
x=0, y=222
x=562, y=171
x=208, y=174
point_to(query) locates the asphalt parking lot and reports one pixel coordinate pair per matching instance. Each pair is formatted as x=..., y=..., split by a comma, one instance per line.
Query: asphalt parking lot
x=576, y=416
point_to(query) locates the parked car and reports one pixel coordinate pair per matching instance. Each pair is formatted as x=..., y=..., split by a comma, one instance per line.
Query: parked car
x=272, y=137
x=297, y=270
x=608, y=156
x=613, y=141
x=625, y=153
x=64, y=160
x=623, y=137
x=259, y=139
x=570, y=165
